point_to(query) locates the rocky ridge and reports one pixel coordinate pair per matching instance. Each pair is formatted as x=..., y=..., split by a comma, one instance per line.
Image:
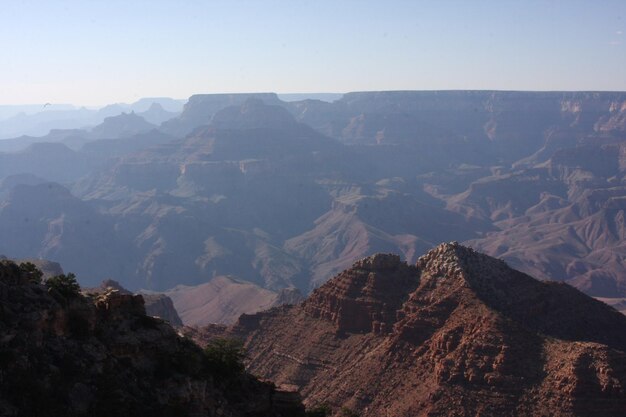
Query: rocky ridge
x=66, y=354
x=459, y=333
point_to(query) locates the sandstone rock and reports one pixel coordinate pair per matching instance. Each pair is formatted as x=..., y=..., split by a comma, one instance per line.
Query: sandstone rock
x=460, y=333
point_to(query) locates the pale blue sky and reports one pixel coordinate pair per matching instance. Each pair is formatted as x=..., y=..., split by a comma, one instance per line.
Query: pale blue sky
x=95, y=52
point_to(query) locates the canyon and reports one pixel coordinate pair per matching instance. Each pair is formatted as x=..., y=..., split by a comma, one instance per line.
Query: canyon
x=284, y=195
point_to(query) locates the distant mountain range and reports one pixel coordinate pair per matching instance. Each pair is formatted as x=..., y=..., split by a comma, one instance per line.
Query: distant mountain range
x=39, y=119
x=287, y=194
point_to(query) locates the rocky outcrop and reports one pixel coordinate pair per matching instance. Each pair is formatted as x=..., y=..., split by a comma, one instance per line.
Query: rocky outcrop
x=66, y=354
x=160, y=305
x=459, y=333
x=365, y=297
x=156, y=305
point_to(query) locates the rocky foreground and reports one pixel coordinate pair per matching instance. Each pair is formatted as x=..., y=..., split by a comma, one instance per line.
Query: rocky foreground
x=457, y=334
x=67, y=354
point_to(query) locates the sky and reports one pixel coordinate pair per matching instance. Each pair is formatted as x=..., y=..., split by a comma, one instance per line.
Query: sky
x=92, y=52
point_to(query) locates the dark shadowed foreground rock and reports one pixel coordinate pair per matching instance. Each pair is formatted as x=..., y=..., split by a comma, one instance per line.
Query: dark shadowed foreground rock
x=458, y=334
x=71, y=355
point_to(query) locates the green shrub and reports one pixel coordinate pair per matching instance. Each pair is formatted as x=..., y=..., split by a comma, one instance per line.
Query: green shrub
x=33, y=273
x=224, y=357
x=66, y=285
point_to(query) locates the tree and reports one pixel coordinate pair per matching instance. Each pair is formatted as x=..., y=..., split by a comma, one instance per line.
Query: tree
x=34, y=274
x=66, y=285
x=225, y=357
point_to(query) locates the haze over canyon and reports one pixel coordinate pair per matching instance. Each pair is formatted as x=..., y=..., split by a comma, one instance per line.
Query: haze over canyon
x=284, y=194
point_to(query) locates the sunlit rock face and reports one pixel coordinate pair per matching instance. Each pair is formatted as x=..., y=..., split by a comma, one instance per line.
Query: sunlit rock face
x=458, y=332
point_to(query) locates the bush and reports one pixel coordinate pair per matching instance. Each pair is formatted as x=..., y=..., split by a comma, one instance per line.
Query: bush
x=66, y=285
x=224, y=357
x=33, y=273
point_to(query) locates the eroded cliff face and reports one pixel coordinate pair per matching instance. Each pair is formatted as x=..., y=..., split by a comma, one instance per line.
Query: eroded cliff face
x=457, y=334
x=365, y=298
x=102, y=356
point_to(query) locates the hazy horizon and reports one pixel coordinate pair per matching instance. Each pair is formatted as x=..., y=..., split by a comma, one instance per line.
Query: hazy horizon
x=281, y=96
x=91, y=53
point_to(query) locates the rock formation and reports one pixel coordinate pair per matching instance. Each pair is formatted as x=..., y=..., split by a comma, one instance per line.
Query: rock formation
x=457, y=334
x=156, y=305
x=161, y=306
x=66, y=354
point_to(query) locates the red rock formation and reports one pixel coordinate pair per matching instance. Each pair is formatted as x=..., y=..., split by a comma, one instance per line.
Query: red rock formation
x=365, y=298
x=458, y=334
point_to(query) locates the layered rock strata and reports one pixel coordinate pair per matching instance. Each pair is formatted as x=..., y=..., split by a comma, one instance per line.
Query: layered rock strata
x=458, y=334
